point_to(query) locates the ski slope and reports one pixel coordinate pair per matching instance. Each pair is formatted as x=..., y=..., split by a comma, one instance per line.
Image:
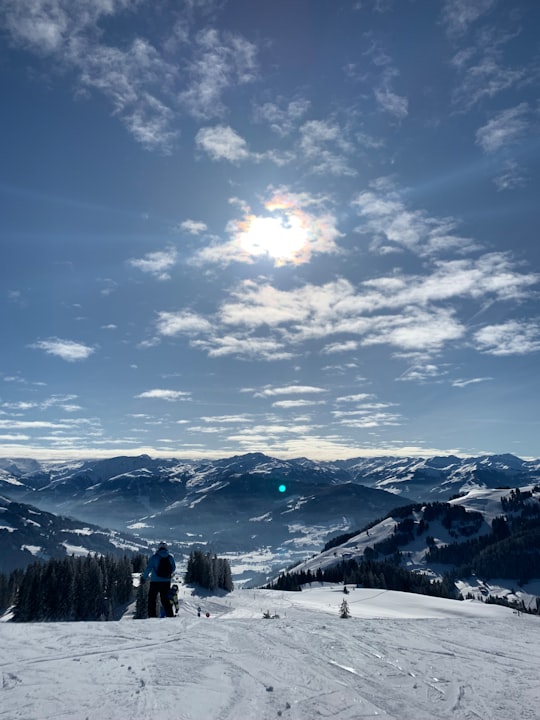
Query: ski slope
x=400, y=656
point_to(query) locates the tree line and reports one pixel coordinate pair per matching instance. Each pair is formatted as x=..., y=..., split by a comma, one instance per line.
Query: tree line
x=94, y=587
x=208, y=571
x=511, y=550
x=386, y=575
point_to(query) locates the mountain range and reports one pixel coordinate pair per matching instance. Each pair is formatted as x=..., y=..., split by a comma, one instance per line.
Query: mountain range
x=249, y=503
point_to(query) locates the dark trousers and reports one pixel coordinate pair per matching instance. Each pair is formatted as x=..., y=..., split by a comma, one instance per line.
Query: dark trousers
x=163, y=589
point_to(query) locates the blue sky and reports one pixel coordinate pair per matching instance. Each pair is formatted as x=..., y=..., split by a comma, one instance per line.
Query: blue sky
x=300, y=227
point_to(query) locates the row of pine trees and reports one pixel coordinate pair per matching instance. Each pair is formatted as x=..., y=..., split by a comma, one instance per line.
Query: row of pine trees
x=208, y=571
x=74, y=588
x=95, y=587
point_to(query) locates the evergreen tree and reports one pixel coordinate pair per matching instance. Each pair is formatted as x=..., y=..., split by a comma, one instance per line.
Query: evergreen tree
x=208, y=571
x=344, y=611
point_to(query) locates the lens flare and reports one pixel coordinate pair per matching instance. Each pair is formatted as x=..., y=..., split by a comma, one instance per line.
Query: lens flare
x=282, y=488
x=289, y=235
x=281, y=239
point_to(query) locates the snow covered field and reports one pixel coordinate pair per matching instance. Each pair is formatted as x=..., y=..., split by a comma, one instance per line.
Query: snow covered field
x=400, y=656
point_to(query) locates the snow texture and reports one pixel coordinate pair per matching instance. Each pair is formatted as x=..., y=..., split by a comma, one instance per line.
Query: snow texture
x=399, y=656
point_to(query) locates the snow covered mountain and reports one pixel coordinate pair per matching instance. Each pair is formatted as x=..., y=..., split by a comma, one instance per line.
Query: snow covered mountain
x=28, y=534
x=399, y=656
x=481, y=535
x=249, y=503
x=236, y=504
x=438, y=478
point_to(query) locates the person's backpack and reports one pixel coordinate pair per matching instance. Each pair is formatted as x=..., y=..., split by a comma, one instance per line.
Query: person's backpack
x=164, y=568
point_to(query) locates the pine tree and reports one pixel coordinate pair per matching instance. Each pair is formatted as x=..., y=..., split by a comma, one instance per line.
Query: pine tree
x=141, y=604
x=344, y=611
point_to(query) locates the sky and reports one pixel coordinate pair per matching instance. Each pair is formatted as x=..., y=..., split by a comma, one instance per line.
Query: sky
x=303, y=228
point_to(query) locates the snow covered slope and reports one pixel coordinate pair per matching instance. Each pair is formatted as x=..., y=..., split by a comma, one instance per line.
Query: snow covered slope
x=399, y=656
x=28, y=534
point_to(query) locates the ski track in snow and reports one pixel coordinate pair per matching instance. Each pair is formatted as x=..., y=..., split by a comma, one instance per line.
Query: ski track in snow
x=399, y=656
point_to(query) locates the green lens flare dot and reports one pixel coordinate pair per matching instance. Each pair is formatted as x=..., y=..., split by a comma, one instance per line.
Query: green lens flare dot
x=282, y=488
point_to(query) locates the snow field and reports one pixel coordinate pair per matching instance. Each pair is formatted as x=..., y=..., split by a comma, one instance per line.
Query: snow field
x=400, y=656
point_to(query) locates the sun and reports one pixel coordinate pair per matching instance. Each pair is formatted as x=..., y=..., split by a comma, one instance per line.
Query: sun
x=283, y=239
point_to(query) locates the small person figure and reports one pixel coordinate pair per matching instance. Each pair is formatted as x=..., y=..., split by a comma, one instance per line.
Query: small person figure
x=199, y=611
x=173, y=598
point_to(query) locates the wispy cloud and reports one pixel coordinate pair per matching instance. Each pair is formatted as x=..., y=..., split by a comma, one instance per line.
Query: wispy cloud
x=423, y=372
x=193, y=227
x=163, y=394
x=64, y=402
x=144, y=87
x=323, y=144
x=511, y=177
x=486, y=70
x=367, y=413
x=510, y=338
x=388, y=100
x=157, y=263
x=66, y=349
x=130, y=76
x=282, y=117
x=340, y=347
x=244, y=345
x=173, y=323
x=393, y=224
x=220, y=61
x=391, y=102
x=222, y=143
x=504, y=128
x=290, y=390
x=459, y=15
x=412, y=313
x=292, y=404
x=472, y=381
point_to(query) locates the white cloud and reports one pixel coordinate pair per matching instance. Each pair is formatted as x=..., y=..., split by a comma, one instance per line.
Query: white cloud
x=387, y=217
x=340, y=347
x=65, y=349
x=47, y=26
x=409, y=312
x=472, y=381
x=130, y=76
x=511, y=177
x=171, y=323
x=289, y=404
x=392, y=103
x=162, y=394
x=222, y=143
x=282, y=120
x=422, y=372
x=459, y=15
x=157, y=263
x=504, y=128
x=510, y=338
x=220, y=61
x=324, y=146
x=244, y=345
x=33, y=425
x=193, y=227
x=290, y=390
x=484, y=69
x=356, y=398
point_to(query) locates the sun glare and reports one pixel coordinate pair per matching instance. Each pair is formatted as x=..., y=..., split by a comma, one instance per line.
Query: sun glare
x=281, y=239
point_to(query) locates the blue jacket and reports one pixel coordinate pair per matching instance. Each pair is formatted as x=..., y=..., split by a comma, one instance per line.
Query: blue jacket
x=151, y=568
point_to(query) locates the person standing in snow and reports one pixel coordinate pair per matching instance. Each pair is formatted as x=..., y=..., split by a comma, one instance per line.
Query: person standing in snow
x=160, y=568
x=173, y=598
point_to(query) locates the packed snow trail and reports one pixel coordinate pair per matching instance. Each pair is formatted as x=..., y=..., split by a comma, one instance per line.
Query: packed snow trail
x=398, y=657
